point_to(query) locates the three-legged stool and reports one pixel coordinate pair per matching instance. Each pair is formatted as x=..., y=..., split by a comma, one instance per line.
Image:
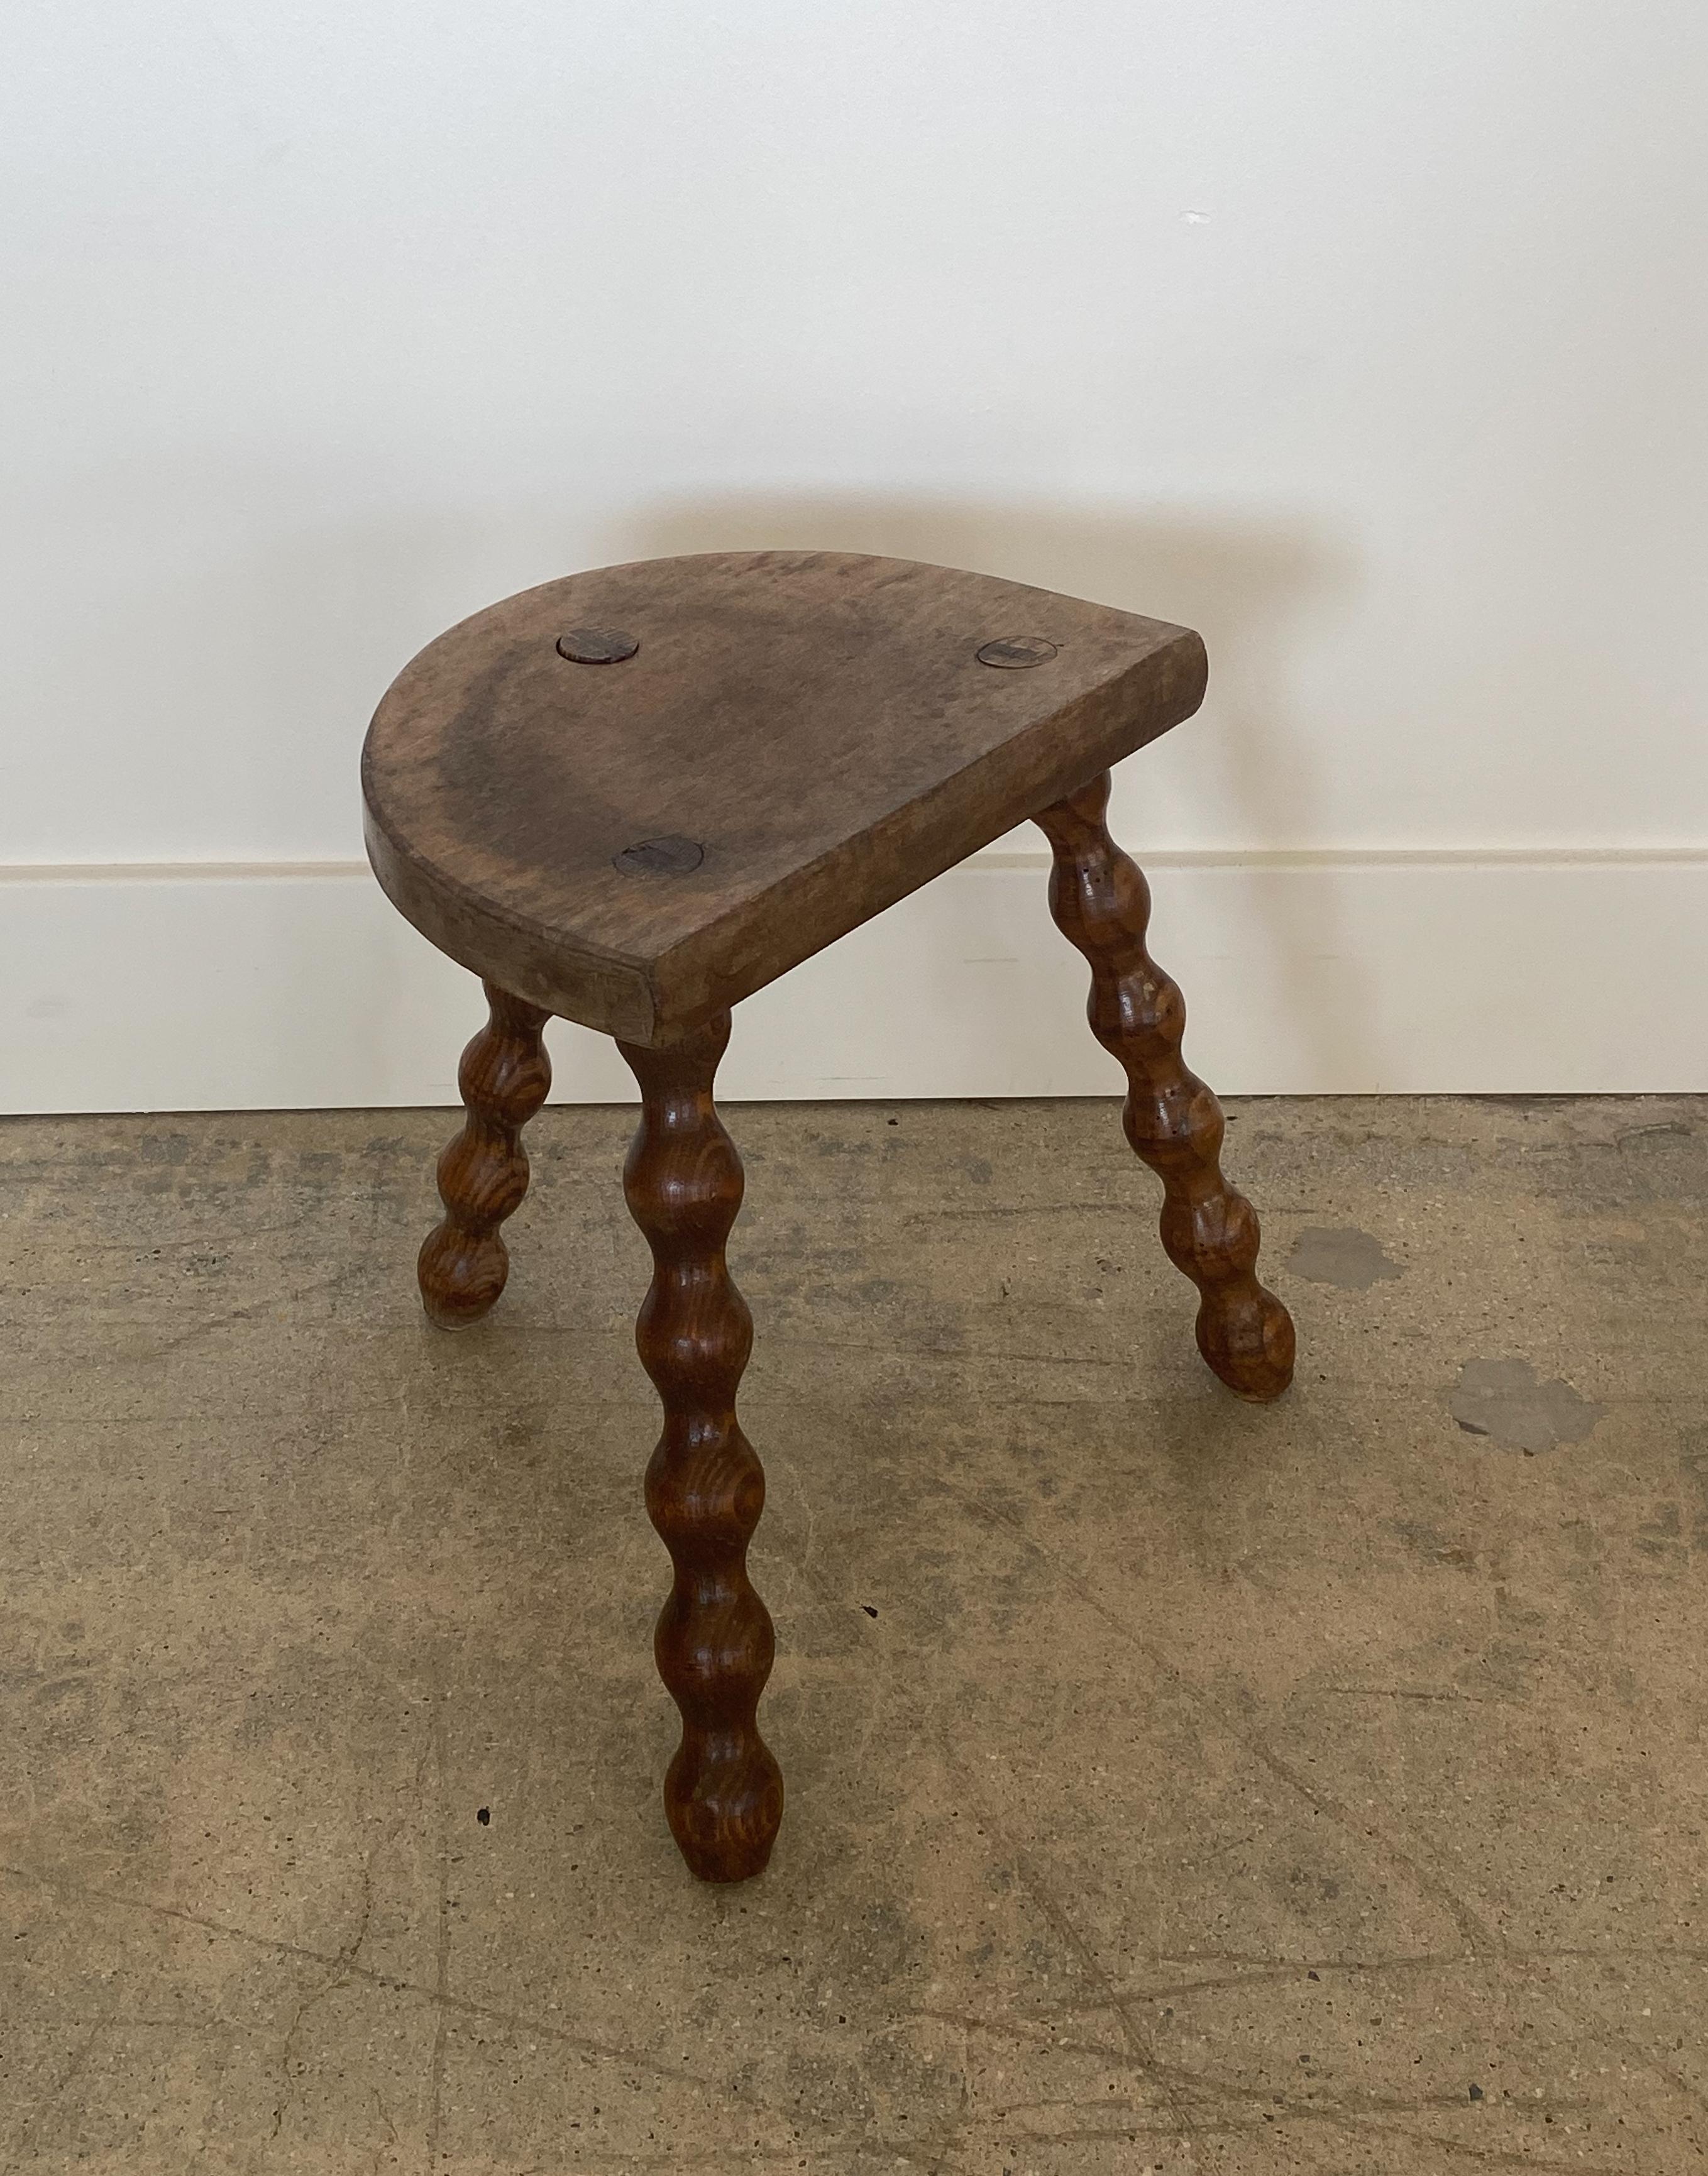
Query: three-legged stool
x=634, y=796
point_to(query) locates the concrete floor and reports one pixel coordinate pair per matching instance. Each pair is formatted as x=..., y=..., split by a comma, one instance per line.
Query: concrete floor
x=1173, y=1785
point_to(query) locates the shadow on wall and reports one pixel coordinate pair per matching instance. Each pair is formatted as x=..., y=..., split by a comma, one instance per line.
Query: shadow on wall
x=1247, y=585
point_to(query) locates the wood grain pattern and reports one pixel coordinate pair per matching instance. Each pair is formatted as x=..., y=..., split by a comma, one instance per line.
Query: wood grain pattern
x=818, y=723
x=1101, y=904
x=503, y=1078
x=704, y=1487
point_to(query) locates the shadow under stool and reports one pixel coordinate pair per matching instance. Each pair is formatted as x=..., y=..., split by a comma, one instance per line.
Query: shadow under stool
x=634, y=797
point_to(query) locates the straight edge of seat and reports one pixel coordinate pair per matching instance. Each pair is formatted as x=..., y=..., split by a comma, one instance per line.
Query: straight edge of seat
x=690, y=982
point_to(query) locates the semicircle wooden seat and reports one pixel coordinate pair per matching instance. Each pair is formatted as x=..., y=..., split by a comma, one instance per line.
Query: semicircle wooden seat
x=636, y=796
x=797, y=741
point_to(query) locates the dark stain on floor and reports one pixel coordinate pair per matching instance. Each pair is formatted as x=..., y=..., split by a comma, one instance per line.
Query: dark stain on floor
x=1503, y=1401
x=1343, y=1256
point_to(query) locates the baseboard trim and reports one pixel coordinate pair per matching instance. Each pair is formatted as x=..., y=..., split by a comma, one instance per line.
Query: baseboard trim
x=209, y=986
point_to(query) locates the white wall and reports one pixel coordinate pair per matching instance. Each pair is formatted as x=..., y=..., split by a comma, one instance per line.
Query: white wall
x=1369, y=339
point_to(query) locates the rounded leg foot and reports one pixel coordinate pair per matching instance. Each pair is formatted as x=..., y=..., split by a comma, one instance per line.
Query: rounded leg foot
x=461, y=1275
x=724, y=1814
x=1250, y=1344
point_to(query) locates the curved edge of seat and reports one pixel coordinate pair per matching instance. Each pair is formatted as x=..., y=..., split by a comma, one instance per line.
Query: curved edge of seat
x=611, y=994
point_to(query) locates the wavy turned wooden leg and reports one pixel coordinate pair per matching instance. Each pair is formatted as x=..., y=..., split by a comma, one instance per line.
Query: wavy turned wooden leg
x=483, y=1174
x=1101, y=904
x=704, y=1487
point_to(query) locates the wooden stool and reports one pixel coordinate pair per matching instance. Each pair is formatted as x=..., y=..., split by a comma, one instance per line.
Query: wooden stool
x=634, y=797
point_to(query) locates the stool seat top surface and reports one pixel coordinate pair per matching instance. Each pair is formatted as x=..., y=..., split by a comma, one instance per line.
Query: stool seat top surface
x=639, y=794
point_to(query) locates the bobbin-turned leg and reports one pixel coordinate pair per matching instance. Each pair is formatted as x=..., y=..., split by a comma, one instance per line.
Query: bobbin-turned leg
x=483, y=1174
x=704, y=1487
x=1101, y=904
